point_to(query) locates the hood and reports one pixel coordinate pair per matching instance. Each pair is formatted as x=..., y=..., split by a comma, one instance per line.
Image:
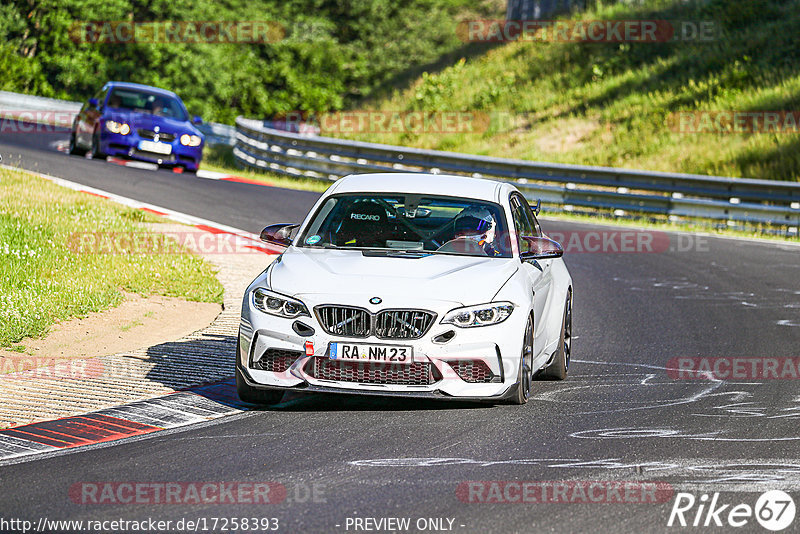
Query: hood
x=347, y=276
x=149, y=121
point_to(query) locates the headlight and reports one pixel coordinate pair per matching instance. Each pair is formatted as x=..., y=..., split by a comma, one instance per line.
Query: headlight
x=190, y=140
x=277, y=304
x=481, y=315
x=118, y=127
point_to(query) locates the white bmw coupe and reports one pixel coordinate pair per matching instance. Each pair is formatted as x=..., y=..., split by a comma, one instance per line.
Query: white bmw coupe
x=408, y=285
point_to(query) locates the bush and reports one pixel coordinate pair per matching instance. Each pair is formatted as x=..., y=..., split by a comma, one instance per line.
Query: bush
x=335, y=52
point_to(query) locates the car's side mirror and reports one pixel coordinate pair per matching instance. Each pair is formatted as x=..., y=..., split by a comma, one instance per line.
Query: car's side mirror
x=197, y=120
x=539, y=248
x=278, y=234
x=93, y=103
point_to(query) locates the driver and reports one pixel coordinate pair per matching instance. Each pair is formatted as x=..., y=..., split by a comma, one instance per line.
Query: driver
x=158, y=107
x=474, y=232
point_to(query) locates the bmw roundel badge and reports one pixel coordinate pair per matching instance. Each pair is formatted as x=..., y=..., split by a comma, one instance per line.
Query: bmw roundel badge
x=375, y=300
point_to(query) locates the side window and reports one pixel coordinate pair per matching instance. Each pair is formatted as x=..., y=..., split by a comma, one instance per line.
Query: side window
x=522, y=222
x=537, y=230
x=101, y=98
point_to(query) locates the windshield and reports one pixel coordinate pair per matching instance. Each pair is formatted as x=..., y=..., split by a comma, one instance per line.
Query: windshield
x=409, y=224
x=144, y=102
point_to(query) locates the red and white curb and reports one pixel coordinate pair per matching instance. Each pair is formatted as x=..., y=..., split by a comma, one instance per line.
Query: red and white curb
x=195, y=405
x=182, y=408
x=212, y=175
x=197, y=222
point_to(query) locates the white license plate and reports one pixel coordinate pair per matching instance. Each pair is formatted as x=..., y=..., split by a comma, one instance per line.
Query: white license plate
x=362, y=352
x=158, y=148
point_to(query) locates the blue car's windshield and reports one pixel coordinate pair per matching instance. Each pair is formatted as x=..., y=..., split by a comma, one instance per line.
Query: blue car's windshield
x=144, y=102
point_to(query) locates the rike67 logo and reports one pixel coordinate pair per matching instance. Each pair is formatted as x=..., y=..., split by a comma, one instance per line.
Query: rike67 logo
x=774, y=510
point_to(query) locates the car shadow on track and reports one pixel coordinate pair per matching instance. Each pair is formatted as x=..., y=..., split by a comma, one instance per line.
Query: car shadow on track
x=205, y=366
x=295, y=401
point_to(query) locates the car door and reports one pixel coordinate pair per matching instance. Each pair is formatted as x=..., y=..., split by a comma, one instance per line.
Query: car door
x=539, y=272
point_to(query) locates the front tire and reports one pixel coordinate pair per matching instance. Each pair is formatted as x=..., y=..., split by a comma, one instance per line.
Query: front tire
x=525, y=367
x=559, y=367
x=96, y=152
x=252, y=395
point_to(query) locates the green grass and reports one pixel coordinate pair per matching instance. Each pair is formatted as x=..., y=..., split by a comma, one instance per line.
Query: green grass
x=42, y=281
x=610, y=104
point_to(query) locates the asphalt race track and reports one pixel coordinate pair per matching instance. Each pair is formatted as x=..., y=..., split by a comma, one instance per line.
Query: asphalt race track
x=620, y=416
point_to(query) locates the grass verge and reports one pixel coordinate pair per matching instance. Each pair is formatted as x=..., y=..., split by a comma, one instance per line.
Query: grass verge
x=42, y=281
x=615, y=104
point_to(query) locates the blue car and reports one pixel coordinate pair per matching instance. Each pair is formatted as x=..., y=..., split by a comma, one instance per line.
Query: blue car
x=130, y=120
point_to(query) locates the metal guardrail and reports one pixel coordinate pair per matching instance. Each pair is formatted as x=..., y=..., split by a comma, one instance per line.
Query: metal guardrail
x=218, y=134
x=62, y=112
x=566, y=186
x=20, y=102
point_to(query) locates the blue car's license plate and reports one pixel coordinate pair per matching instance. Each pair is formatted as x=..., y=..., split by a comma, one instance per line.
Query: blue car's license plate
x=155, y=147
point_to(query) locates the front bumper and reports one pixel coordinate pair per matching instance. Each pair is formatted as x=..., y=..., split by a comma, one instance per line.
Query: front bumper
x=494, y=350
x=509, y=393
x=126, y=146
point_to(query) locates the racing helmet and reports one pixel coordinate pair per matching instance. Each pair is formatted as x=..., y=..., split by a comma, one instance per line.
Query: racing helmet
x=475, y=223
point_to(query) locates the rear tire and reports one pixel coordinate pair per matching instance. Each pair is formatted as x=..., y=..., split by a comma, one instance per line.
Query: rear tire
x=73, y=147
x=252, y=395
x=525, y=367
x=559, y=367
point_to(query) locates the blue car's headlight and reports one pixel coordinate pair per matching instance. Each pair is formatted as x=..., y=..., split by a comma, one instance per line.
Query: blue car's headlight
x=276, y=304
x=118, y=127
x=190, y=140
x=481, y=315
